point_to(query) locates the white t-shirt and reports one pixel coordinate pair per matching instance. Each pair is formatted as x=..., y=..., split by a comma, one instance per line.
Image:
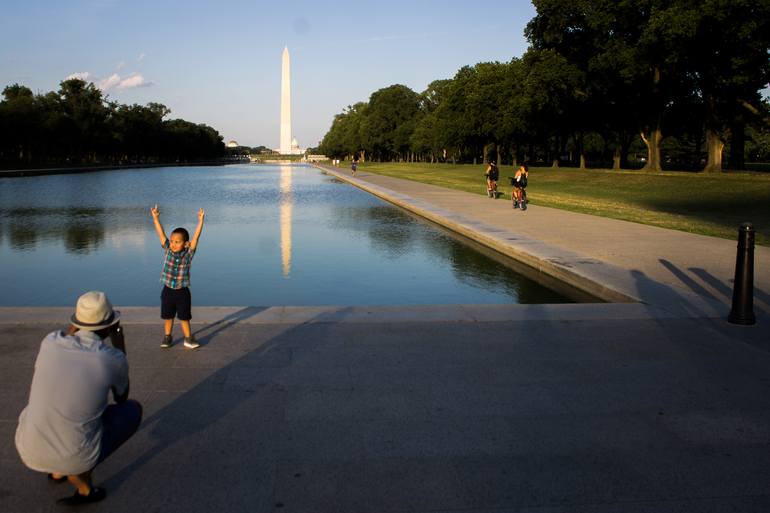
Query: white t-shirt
x=60, y=430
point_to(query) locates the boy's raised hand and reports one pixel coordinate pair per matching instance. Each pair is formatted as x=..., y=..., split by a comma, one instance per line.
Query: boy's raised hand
x=158, y=227
x=198, y=230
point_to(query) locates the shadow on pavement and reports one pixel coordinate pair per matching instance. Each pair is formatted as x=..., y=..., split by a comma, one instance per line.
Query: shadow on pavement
x=225, y=323
x=244, y=391
x=691, y=284
x=705, y=314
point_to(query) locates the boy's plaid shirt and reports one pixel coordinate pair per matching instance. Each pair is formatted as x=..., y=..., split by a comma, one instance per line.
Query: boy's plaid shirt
x=176, y=267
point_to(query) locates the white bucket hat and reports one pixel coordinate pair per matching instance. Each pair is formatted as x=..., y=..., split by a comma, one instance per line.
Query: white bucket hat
x=94, y=312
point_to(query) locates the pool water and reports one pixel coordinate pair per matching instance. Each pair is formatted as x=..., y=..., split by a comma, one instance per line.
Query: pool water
x=274, y=235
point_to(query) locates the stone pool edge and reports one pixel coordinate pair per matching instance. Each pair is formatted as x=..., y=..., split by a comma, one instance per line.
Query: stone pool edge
x=295, y=315
x=597, y=278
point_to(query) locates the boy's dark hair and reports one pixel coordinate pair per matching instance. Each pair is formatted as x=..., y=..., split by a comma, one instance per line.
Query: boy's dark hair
x=184, y=233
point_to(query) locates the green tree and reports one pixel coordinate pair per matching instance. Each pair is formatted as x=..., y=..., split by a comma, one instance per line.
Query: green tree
x=425, y=139
x=622, y=85
x=455, y=121
x=184, y=141
x=19, y=123
x=554, y=90
x=138, y=130
x=85, y=119
x=389, y=120
x=724, y=50
x=653, y=60
x=344, y=137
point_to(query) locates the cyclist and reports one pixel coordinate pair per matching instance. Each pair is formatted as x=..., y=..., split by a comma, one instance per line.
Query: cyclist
x=519, y=182
x=493, y=175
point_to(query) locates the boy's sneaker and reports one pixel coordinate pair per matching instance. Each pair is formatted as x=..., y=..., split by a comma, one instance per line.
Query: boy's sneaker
x=166, y=342
x=191, y=343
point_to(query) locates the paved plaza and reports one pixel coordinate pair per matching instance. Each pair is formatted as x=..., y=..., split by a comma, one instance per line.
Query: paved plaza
x=649, y=403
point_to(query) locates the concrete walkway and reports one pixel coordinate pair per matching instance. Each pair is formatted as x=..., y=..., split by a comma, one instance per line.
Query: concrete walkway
x=651, y=406
x=615, y=260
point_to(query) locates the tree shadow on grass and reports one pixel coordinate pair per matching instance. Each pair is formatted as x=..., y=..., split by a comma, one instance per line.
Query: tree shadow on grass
x=729, y=212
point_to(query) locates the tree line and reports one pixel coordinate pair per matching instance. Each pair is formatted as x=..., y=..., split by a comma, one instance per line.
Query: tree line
x=652, y=82
x=78, y=125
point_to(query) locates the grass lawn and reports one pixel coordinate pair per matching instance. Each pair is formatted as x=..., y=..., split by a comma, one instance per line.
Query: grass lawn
x=707, y=204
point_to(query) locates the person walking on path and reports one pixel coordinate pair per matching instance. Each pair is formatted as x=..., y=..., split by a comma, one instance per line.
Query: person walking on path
x=175, y=298
x=354, y=166
x=68, y=427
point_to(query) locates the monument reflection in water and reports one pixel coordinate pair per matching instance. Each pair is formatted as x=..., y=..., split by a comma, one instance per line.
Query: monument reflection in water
x=274, y=235
x=286, y=207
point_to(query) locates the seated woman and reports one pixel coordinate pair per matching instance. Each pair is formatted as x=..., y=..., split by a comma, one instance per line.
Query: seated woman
x=493, y=175
x=519, y=182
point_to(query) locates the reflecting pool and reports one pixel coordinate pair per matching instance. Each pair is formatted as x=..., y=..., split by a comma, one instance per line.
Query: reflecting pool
x=274, y=235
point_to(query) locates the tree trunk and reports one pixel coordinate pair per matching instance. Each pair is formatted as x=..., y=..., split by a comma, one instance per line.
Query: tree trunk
x=616, y=156
x=737, y=159
x=655, y=135
x=714, y=148
x=555, y=164
x=653, y=149
x=624, y=147
x=581, y=151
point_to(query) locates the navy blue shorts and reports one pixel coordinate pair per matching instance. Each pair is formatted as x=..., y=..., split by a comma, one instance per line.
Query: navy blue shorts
x=176, y=303
x=119, y=423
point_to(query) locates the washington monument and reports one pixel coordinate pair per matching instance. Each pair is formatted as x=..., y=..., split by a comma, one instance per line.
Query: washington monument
x=285, y=147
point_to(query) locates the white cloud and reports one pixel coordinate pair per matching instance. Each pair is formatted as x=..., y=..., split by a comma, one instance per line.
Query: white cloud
x=132, y=81
x=114, y=81
x=109, y=82
x=83, y=75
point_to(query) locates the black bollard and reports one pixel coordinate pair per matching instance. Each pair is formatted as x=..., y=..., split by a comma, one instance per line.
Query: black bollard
x=743, y=288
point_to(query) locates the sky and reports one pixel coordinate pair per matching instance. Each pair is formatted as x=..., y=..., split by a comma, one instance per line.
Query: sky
x=219, y=62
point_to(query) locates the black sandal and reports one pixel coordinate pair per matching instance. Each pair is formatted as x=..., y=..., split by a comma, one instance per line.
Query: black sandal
x=56, y=480
x=95, y=495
